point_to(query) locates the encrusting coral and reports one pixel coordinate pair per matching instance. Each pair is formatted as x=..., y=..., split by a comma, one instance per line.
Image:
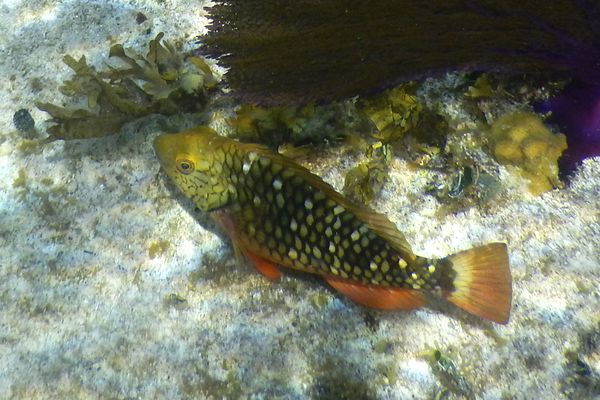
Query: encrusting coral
x=521, y=139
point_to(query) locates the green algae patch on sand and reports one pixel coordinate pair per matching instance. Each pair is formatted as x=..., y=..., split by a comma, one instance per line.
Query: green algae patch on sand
x=449, y=375
x=521, y=140
x=158, y=248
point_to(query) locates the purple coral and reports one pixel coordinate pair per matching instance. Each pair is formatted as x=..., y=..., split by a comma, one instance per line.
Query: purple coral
x=576, y=111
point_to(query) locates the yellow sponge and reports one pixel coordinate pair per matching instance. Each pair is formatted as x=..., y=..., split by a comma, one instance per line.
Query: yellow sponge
x=522, y=140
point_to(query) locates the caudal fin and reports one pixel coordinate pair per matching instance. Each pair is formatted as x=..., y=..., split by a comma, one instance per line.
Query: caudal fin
x=483, y=284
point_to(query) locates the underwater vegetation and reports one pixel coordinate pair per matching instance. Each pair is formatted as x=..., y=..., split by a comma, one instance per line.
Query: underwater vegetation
x=165, y=81
x=582, y=380
x=364, y=182
x=393, y=112
x=276, y=126
x=304, y=50
x=449, y=376
x=162, y=81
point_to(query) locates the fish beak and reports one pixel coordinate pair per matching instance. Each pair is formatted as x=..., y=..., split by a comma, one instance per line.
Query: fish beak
x=163, y=150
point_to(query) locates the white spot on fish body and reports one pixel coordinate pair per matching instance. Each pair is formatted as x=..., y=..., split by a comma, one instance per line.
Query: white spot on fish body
x=280, y=200
x=337, y=224
x=308, y=204
x=246, y=167
x=338, y=210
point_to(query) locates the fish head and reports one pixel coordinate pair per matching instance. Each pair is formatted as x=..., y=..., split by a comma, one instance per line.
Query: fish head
x=192, y=162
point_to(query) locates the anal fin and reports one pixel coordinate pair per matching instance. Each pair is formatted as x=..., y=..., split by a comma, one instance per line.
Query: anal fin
x=267, y=268
x=382, y=298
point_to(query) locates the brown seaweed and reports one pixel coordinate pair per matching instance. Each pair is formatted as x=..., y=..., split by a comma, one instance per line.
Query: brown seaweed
x=305, y=50
x=163, y=81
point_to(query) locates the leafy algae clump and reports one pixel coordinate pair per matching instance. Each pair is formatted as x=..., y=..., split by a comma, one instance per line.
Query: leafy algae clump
x=520, y=139
x=297, y=125
x=394, y=112
x=163, y=81
x=364, y=182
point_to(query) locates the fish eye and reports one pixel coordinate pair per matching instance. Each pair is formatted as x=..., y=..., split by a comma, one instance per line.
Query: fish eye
x=185, y=166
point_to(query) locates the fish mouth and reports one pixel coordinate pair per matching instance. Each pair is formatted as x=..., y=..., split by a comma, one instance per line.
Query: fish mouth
x=163, y=149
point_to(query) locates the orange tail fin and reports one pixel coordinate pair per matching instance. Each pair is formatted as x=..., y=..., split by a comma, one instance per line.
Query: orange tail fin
x=483, y=285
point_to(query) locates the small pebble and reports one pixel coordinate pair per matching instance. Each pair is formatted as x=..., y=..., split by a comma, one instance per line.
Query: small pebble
x=140, y=17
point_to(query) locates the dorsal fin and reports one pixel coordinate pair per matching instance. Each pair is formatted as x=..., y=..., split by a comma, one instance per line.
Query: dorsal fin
x=381, y=225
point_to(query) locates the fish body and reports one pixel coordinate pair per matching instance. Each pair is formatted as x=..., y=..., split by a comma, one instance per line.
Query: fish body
x=279, y=214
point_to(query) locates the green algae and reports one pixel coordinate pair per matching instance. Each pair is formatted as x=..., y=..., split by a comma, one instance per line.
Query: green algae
x=449, y=375
x=319, y=300
x=30, y=146
x=394, y=112
x=280, y=125
x=334, y=379
x=388, y=374
x=20, y=182
x=381, y=346
x=365, y=182
x=581, y=381
x=481, y=88
x=175, y=300
x=157, y=248
x=48, y=200
x=163, y=81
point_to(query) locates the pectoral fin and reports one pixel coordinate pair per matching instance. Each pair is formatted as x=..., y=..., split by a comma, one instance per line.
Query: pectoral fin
x=268, y=268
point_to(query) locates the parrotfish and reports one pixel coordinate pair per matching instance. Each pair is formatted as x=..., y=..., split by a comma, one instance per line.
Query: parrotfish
x=280, y=215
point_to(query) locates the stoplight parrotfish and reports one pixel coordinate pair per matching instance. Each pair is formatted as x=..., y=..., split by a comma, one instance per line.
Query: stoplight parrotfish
x=278, y=214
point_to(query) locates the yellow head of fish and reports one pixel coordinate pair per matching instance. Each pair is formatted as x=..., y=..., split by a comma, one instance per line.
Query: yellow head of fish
x=194, y=160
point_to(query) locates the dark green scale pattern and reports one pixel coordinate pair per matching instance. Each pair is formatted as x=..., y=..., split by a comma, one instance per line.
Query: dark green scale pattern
x=297, y=226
